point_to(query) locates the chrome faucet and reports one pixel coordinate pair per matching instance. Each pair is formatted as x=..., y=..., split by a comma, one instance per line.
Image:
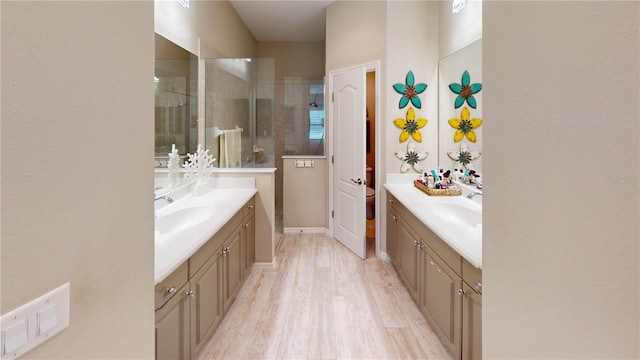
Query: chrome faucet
x=471, y=195
x=169, y=200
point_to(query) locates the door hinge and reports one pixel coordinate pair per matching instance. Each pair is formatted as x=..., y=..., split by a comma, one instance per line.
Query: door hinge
x=332, y=97
x=332, y=159
x=332, y=214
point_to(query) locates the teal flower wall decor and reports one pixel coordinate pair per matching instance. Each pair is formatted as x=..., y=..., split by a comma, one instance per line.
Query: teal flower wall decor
x=410, y=91
x=465, y=91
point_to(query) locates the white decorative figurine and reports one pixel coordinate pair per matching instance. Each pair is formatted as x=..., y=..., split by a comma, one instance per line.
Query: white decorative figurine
x=174, y=166
x=199, y=166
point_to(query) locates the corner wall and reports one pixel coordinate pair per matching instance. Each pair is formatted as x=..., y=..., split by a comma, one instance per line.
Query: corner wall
x=561, y=252
x=77, y=173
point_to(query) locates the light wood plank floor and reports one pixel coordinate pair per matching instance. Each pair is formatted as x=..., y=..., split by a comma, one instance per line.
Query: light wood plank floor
x=323, y=302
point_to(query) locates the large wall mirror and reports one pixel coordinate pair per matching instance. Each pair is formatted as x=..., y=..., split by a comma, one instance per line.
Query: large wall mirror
x=460, y=109
x=176, y=100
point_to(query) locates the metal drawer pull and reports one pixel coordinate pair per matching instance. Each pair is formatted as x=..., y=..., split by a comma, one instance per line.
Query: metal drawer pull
x=478, y=286
x=190, y=293
x=246, y=226
x=250, y=207
x=170, y=291
x=462, y=292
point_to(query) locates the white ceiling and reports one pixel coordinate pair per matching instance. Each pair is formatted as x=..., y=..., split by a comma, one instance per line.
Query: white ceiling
x=284, y=20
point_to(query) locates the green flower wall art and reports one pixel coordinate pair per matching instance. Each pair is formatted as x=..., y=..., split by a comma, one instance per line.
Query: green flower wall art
x=465, y=91
x=410, y=91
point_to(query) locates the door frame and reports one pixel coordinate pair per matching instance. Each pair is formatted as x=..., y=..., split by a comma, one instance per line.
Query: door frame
x=370, y=66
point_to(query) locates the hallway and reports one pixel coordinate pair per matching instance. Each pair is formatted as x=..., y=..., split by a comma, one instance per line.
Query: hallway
x=323, y=302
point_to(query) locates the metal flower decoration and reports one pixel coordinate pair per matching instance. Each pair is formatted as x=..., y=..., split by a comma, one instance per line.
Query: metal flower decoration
x=465, y=126
x=465, y=91
x=411, y=158
x=410, y=126
x=464, y=157
x=410, y=91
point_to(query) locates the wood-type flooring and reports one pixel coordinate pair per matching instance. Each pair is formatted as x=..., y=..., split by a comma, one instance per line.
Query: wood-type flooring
x=323, y=302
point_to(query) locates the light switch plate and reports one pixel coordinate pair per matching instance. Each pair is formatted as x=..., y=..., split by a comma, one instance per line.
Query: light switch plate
x=35, y=322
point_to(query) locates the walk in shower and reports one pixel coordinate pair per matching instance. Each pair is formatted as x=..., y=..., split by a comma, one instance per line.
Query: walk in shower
x=239, y=101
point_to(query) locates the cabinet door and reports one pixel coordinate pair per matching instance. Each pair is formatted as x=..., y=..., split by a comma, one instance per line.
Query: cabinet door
x=471, y=324
x=407, y=251
x=172, y=328
x=233, y=267
x=249, y=241
x=443, y=301
x=206, y=302
x=392, y=219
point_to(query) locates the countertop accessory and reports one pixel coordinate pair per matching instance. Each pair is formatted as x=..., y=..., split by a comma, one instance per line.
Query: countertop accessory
x=437, y=192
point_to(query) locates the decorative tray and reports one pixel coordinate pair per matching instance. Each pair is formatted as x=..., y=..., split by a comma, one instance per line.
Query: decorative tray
x=437, y=192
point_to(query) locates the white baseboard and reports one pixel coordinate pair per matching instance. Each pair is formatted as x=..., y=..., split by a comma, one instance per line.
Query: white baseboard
x=384, y=256
x=264, y=265
x=306, y=230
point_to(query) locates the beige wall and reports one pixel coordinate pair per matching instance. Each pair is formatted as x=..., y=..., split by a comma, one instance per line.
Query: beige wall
x=561, y=254
x=209, y=29
x=305, y=197
x=295, y=58
x=460, y=29
x=77, y=175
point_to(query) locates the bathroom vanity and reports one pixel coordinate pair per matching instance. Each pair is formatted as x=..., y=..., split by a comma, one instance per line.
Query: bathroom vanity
x=198, y=278
x=439, y=262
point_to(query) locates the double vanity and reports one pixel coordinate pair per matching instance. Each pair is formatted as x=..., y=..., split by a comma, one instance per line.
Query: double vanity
x=204, y=250
x=435, y=244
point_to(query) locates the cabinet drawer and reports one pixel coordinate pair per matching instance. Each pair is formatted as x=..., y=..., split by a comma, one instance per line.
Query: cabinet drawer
x=207, y=250
x=249, y=207
x=168, y=287
x=472, y=276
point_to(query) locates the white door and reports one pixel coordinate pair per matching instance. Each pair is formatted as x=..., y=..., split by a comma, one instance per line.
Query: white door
x=349, y=189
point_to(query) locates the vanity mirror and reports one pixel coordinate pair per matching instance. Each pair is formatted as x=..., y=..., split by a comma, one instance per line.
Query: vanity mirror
x=176, y=101
x=460, y=109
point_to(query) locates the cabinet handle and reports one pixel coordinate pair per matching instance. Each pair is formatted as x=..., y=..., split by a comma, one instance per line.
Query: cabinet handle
x=432, y=264
x=395, y=218
x=250, y=207
x=462, y=292
x=190, y=293
x=439, y=271
x=170, y=291
x=478, y=286
x=391, y=201
x=227, y=249
x=415, y=243
x=224, y=252
x=246, y=226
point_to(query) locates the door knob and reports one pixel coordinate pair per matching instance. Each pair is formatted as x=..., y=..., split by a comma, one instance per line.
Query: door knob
x=359, y=181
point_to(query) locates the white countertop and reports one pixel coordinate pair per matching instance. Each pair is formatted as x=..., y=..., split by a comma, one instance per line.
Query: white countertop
x=466, y=240
x=172, y=251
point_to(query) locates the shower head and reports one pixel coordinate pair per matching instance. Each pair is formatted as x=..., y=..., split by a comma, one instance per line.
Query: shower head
x=314, y=102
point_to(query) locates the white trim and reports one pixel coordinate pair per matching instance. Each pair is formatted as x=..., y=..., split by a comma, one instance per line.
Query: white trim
x=384, y=256
x=303, y=157
x=305, y=230
x=264, y=266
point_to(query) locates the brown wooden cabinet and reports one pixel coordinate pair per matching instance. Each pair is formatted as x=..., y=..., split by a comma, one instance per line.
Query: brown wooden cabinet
x=206, y=301
x=208, y=281
x=172, y=328
x=446, y=288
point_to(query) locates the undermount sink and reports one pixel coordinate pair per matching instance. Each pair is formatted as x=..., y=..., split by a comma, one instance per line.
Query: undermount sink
x=183, y=219
x=458, y=214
